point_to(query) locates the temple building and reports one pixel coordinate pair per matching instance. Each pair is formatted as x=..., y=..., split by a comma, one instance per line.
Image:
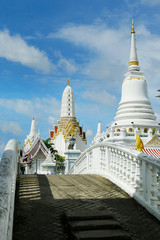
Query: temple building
x=68, y=126
x=135, y=113
x=36, y=156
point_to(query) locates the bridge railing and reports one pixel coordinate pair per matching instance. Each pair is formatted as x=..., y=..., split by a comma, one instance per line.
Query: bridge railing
x=136, y=173
x=8, y=173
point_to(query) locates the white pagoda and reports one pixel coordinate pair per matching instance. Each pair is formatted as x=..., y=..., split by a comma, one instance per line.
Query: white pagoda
x=135, y=114
x=68, y=126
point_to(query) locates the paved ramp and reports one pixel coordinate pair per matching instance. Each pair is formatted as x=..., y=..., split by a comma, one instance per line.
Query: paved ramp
x=43, y=200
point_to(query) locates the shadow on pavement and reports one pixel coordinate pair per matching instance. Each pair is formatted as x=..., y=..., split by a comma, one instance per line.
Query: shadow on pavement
x=43, y=200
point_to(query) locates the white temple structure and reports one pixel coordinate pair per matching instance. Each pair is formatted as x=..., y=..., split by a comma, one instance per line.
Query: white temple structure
x=31, y=137
x=36, y=156
x=68, y=126
x=135, y=114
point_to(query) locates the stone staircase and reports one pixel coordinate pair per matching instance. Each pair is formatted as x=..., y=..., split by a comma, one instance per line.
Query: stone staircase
x=92, y=225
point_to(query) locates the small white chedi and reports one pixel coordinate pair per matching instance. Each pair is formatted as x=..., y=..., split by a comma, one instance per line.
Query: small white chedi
x=49, y=165
x=36, y=156
x=135, y=114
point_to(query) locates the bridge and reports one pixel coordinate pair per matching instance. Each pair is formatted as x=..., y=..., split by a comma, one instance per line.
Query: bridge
x=111, y=192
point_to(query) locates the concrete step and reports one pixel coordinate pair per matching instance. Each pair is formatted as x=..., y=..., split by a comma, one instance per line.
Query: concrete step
x=88, y=215
x=83, y=225
x=101, y=234
x=94, y=224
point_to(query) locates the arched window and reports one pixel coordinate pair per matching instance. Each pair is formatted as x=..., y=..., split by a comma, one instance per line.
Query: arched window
x=139, y=129
x=130, y=130
x=145, y=130
x=118, y=130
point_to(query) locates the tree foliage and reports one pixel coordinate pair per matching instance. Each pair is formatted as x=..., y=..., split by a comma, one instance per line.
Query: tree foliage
x=153, y=131
x=50, y=145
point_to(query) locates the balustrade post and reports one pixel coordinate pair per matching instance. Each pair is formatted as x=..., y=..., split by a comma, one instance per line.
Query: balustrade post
x=125, y=167
x=107, y=159
x=121, y=165
x=87, y=161
x=158, y=194
x=115, y=161
x=141, y=180
x=118, y=164
x=90, y=156
x=138, y=179
x=133, y=172
x=111, y=160
x=128, y=172
x=154, y=186
x=103, y=159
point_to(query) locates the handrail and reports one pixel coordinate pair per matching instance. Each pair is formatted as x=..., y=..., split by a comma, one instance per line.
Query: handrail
x=8, y=173
x=135, y=172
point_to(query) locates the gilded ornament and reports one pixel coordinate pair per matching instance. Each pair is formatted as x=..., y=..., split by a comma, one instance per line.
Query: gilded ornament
x=133, y=63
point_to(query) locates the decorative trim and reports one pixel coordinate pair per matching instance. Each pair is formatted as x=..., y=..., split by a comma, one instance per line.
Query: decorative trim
x=133, y=63
x=134, y=79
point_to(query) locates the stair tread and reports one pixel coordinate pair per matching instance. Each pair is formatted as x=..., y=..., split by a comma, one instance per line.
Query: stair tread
x=94, y=224
x=101, y=234
x=78, y=215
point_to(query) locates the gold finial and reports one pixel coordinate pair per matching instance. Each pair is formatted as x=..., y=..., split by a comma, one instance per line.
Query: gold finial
x=133, y=27
x=68, y=82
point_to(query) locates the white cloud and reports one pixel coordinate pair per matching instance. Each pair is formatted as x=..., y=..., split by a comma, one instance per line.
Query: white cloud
x=37, y=106
x=52, y=120
x=107, y=53
x=66, y=65
x=18, y=105
x=96, y=38
x=11, y=127
x=89, y=134
x=106, y=49
x=100, y=97
x=47, y=105
x=151, y=2
x=15, y=49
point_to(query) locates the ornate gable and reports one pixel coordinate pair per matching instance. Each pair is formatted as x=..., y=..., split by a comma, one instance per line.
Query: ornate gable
x=69, y=128
x=155, y=141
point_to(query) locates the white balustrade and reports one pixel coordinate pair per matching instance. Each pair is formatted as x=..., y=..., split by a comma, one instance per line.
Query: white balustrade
x=158, y=193
x=8, y=173
x=135, y=172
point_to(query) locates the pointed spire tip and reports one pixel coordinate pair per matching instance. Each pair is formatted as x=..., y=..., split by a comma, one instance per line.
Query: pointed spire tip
x=132, y=26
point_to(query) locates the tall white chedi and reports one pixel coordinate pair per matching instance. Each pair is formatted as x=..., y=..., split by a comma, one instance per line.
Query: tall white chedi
x=134, y=107
x=67, y=126
x=68, y=104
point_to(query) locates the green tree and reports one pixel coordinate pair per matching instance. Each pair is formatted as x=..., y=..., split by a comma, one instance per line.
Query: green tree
x=59, y=159
x=50, y=145
x=153, y=131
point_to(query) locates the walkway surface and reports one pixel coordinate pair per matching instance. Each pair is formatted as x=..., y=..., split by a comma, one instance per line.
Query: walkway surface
x=42, y=200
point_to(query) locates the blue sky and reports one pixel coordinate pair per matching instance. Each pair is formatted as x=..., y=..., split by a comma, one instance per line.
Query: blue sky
x=45, y=42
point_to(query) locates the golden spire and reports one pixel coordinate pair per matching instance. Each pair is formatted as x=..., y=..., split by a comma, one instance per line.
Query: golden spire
x=68, y=82
x=132, y=26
